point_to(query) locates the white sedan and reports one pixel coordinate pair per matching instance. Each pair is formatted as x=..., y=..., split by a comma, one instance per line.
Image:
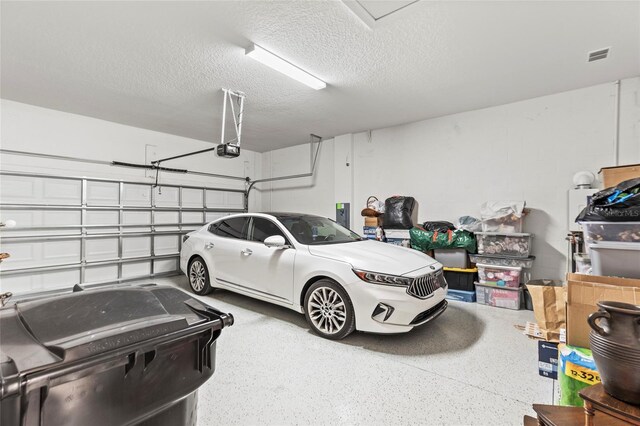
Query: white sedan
x=314, y=266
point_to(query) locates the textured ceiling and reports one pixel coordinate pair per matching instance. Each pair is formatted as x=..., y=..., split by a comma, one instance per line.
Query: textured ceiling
x=161, y=65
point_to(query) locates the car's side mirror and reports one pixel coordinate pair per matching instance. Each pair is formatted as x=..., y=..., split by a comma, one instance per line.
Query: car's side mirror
x=275, y=241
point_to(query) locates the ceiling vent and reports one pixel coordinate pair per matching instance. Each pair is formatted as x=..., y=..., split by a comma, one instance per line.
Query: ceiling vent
x=596, y=55
x=371, y=12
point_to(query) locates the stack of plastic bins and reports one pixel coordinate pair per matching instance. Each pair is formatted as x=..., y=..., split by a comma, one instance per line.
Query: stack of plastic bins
x=126, y=355
x=502, y=261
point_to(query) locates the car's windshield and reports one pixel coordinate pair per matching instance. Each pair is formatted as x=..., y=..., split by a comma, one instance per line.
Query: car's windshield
x=317, y=230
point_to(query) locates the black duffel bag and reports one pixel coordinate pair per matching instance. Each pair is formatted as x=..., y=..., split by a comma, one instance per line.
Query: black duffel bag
x=398, y=211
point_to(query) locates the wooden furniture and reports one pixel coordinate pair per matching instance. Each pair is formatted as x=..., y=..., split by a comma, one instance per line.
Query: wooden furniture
x=598, y=403
x=555, y=415
x=600, y=409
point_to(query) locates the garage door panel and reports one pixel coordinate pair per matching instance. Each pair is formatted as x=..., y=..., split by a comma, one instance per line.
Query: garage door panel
x=18, y=189
x=44, y=253
x=33, y=218
x=93, y=274
x=161, y=218
x=136, y=246
x=169, y=197
x=101, y=249
x=102, y=217
x=39, y=281
x=192, y=198
x=137, y=218
x=22, y=254
x=165, y=265
x=234, y=200
x=136, y=195
x=136, y=269
x=211, y=216
x=103, y=193
x=61, y=251
x=192, y=217
x=61, y=191
x=166, y=244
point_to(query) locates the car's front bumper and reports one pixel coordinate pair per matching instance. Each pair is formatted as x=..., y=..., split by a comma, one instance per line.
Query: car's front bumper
x=387, y=309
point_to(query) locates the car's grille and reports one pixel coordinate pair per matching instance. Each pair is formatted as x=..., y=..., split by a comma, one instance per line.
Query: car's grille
x=428, y=313
x=422, y=287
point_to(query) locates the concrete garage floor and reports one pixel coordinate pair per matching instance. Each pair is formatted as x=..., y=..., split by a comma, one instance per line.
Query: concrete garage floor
x=470, y=366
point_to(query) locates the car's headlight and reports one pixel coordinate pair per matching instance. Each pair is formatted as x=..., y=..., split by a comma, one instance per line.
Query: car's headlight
x=185, y=237
x=377, y=278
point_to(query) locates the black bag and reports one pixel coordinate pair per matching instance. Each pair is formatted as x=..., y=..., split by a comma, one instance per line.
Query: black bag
x=439, y=226
x=398, y=211
x=619, y=203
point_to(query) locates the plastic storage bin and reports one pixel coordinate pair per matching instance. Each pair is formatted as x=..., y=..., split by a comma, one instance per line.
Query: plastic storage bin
x=524, y=263
x=508, y=224
x=615, y=259
x=500, y=244
x=452, y=258
x=499, y=276
x=461, y=295
x=628, y=232
x=460, y=279
x=124, y=355
x=509, y=298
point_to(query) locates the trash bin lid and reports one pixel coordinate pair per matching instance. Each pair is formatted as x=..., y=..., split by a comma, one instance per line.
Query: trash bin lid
x=40, y=333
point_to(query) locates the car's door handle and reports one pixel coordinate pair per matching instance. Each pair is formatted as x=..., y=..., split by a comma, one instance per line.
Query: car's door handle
x=247, y=252
x=209, y=246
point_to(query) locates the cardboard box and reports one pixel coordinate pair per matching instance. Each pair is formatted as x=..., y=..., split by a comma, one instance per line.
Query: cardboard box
x=611, y=176
x=548, y=359
x=373, y=222
x=584, y=291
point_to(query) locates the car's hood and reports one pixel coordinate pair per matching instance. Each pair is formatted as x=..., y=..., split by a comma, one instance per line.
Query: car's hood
x=375, y=256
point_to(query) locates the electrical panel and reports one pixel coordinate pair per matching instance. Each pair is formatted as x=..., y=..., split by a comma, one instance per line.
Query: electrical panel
x=343, y=214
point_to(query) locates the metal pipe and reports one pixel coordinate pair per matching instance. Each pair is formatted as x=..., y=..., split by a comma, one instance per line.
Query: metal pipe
x=616, y=134
x=202, y=151
x=130, y=182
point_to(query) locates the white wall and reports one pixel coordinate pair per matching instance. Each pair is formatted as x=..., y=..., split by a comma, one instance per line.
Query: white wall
x=526, y=150
x=30, y=128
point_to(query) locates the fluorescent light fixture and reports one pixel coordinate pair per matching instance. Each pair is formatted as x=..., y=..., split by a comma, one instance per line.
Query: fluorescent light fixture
x=277, y=63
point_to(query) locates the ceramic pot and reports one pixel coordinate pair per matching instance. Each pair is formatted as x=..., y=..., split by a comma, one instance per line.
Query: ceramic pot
x=615, y=344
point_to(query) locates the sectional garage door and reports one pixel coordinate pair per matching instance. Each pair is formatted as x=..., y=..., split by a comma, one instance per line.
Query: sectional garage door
x=74, y=230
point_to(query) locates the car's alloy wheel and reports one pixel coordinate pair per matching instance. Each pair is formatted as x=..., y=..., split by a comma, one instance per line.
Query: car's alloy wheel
x=199, y=277
x=328, y=310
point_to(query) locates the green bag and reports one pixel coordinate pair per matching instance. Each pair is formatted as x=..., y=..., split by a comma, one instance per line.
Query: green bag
x=424, y=240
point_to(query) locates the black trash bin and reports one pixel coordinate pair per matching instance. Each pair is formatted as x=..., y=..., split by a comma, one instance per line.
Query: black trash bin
x=119, y=356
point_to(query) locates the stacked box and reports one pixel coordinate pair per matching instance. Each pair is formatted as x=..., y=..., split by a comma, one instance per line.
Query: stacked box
x=399, y=237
